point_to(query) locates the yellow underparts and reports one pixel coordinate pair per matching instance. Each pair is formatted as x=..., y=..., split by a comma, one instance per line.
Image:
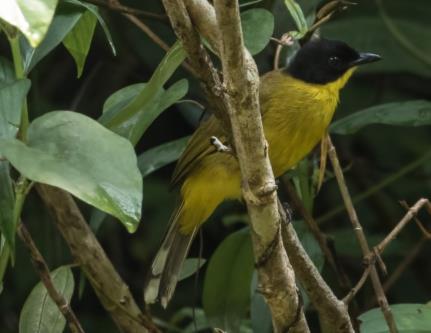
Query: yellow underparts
x=295, y=118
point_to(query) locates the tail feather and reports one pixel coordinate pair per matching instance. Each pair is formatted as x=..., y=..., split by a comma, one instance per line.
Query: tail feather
x=167, y=264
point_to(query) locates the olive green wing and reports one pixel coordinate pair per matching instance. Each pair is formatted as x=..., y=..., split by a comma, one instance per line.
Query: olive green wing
x=199, y=145
x=197, y=148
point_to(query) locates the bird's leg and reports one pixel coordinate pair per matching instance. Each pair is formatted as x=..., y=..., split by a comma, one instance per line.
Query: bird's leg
x=289, y=212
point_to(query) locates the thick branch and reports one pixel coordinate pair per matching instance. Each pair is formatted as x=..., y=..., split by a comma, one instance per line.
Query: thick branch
x=113, y=293
x=199, y=58
x=332, y=312
x=241, y=79
x=43, y=271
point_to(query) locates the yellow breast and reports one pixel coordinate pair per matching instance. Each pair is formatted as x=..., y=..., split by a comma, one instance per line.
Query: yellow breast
x=296, y=115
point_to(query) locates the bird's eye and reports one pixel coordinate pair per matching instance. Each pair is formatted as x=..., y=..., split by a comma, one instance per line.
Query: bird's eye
x=334, y=61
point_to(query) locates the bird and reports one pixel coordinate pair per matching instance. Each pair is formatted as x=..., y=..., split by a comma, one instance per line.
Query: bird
x=297, y=104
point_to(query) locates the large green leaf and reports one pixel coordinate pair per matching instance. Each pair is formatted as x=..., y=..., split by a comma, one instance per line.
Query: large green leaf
x=410, y=113
x=409, y=318
x=146, y=113
x=74, y=152
x=133, y=113
x=157, y=157
x=226, y=294
x=12, y=97
x=78, y=40
x=40, y=314
x=257, y=27
x=66, y=17
x=31, y=17
x=411, y=20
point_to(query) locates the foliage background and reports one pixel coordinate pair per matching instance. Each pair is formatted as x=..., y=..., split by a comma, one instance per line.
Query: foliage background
x=373, y=154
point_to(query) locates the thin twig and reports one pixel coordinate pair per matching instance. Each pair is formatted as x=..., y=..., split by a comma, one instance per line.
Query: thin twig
x=116, y=7
x=379, y=186
x=156, y=39
x=285, y=40
x=375, y=279
x=42, y=269
x=352, y=293
x=400, y=225
x=147, y=30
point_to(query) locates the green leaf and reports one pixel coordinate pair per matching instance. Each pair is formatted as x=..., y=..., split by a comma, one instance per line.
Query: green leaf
x=197, y=317
x=40, y=314
x=144, y=114
x=409, y=318
x=78, y=40
x=190, y=267
x=410, y=113
x=31, y=17
x=310, y=244
x=133, y=117
x=257, y=27
x=226, y=294
x=12, y=97
x=7, y=72
x=157, y=157
x=66, y=17
x=298, y=16
x=74, y=152
x=95, y=11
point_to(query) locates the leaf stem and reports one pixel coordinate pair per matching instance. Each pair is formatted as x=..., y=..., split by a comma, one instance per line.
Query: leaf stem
x=20, y=74
x=21, y=189
x=4, y=257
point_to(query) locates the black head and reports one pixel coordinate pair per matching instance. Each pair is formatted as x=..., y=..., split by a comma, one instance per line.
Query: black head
x=322, y=61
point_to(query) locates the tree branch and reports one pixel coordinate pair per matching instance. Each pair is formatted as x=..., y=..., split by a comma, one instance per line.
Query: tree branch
x=237, y=101
x=42, y=269
x=241, y=79
x=199, y=58
x=411, y=213
x=363, y=243
x=333, y=313
x=113, y=293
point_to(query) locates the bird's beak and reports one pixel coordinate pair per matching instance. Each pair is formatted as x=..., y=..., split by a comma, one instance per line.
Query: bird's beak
x=365, y=58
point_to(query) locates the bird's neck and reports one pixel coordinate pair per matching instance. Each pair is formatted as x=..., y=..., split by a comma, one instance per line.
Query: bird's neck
x=337, y=85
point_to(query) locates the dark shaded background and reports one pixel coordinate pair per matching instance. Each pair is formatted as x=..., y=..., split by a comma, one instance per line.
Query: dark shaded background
x=372, y=155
